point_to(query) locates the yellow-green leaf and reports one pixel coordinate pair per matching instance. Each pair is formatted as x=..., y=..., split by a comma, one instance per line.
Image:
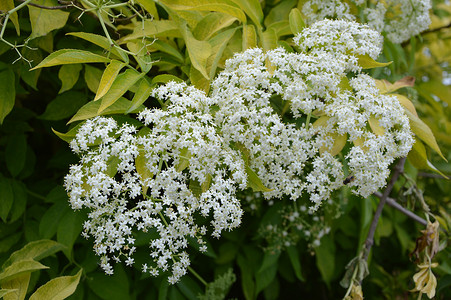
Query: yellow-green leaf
x=35, y=250
x=184, y=158
x=165, y=78
x=418, y=157
x=142, y=169
x=8, y=93
x=70, y=56
x=296, y=21
x=121, y=84
x=254, y=182
x=322, y=121
x=68, y=136
x=44, y=20
x=423, y=132
x=92, y=78
x=253, y=9
x=269, y=40
x=58, y=288
x=19, y=268
x=18, y=285
x=152, y=29
x=108, y=77
x=7, y=5
x=404, y=101
x=90, y=110
x=375, y=126
x=386, y=87
x=280, y=12
x=167, y=48
x=211, y=24
x=68, y=74
x=150, y=7
x=141, y=95
x=366, y=62
x=249, y=37
x=100, y=41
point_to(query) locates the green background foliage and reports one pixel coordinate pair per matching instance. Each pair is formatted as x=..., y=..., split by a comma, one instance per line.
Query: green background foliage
x=77, y=62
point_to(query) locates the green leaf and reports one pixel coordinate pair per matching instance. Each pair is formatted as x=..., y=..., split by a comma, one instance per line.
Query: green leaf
x=64, y=106
x=366, y=62
x=7, y=5
x=15, y=153
x=423, y=132
x=6, y=197
x=254, y=182
x=142, y=169
x=20, y=200
x=296, y=21
x=247, y=282
x=165, y=78
x=152, y=28
x=58, y=288
x=249, y=37
x=44, y=20
x=69, y=229
x=34, y=251
x=189, y=288
x=264, y=278
x=8, y=93
x=167, y=48
x=71, y=56
x=121, y=84
x=280, y=12
x=90, y=110
x=19, y=285
x=100, y=41
x=293, y=254
x=150, y=7
x=115, y=287
x=51, y=218
x=108, y=77
x=269, y=40
x=4, y=292
x=18, y=268
x=92, y=78
x=325, y=258
x=68, y=74
x=375, y=126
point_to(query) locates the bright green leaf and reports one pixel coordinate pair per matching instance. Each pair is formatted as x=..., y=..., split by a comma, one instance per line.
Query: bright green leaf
x=253, y=9
x=152, y=29
x=71, y=56
x=68, y=74
x=269, y=40
x=418, y=157
x=150, y=7
x=58, y=288
x=167, y=48
x=7, y=94
x=44, y=20
x=142, y=94
x=108, y=77
x=211, y=24
x=68, y=136
x=92, y=77
x=64, y=106
x=15, y=152
x=280, y=12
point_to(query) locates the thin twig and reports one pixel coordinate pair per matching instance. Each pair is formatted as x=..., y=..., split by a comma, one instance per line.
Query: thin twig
x=431, y=175
x=370, y=237
x=393, y=203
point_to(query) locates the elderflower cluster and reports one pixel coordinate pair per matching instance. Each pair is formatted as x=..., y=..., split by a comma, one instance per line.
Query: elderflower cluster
x=194, y=153
x=397, y=19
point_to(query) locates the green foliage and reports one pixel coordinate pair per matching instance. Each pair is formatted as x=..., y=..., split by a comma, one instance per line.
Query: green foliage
x=85, y=60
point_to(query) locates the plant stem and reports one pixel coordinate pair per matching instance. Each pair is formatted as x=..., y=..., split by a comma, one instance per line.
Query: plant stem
x=370, y=237
x=197, y=276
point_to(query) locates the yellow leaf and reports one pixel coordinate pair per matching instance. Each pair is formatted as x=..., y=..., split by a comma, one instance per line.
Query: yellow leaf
x=418, y=157
x=339, y=143
x=100, y=41
x=108, y=77
x=7, y=5
x=211, y=24
x=386, y=87
x=152, y=29
x=253, y=9
x=322, y=121
x=249, y=37
x=150, y=7
x=57, y=288
x=404, y=101
x=142, y=169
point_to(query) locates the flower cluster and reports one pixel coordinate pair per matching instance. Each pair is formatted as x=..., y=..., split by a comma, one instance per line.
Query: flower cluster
x=398, y=19
x=195, y=152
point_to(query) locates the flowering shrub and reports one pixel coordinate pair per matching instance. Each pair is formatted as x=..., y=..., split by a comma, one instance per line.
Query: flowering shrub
x=150, y=180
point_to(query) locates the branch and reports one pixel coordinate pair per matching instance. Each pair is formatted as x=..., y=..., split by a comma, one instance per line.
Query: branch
x=393, y=203
x=370, y=238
